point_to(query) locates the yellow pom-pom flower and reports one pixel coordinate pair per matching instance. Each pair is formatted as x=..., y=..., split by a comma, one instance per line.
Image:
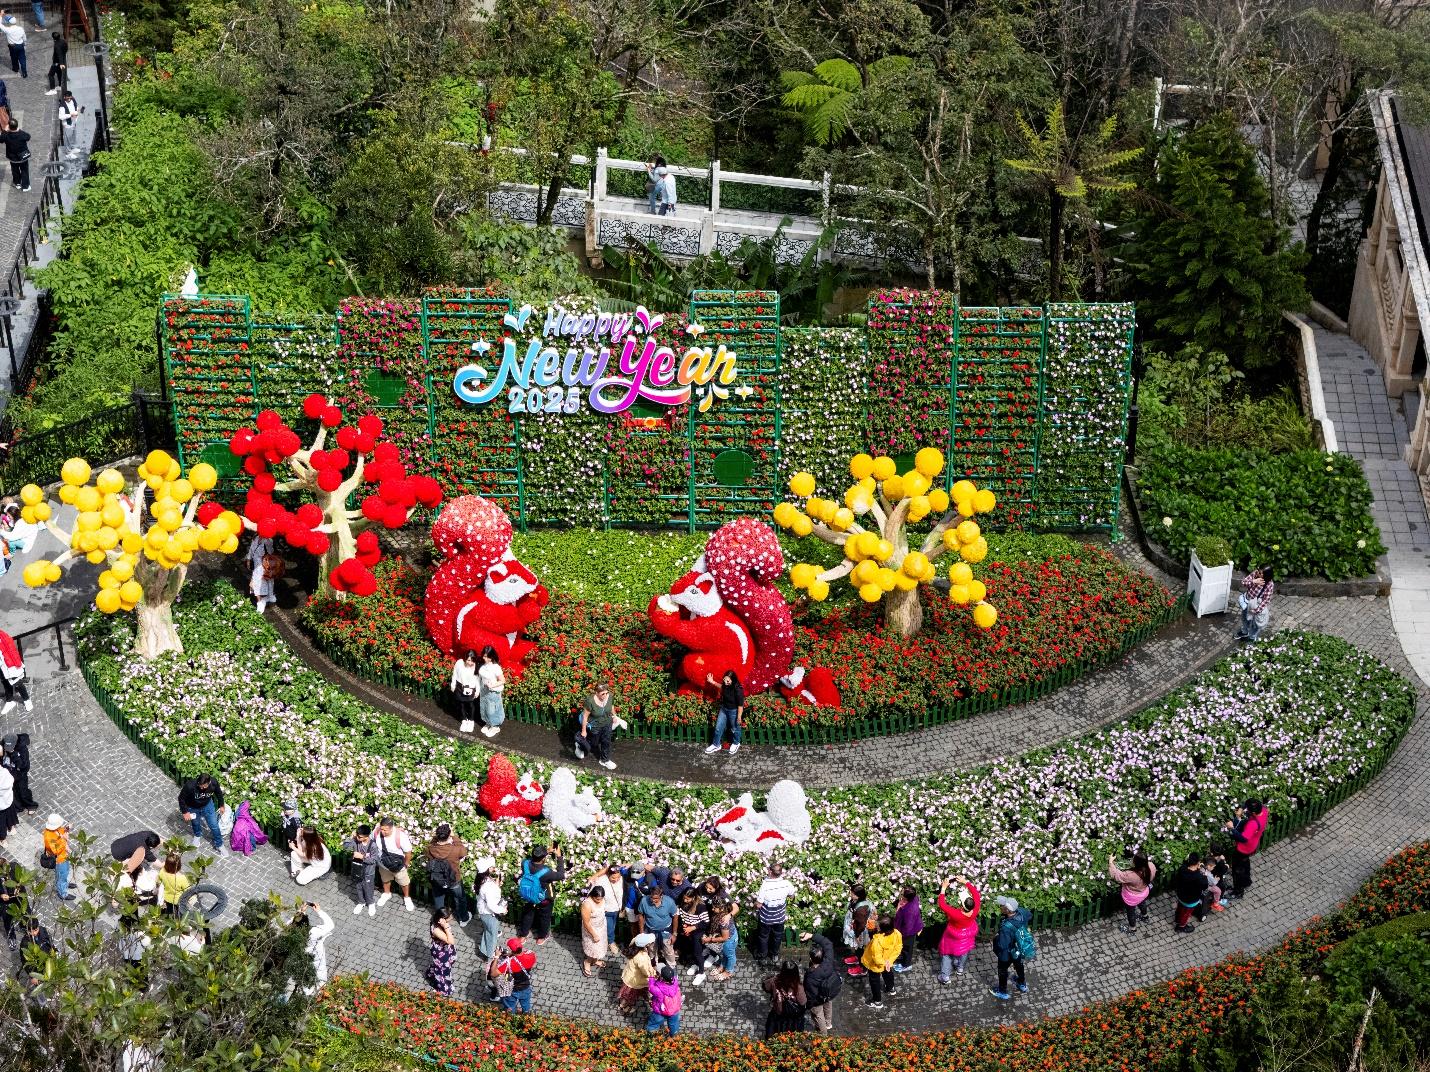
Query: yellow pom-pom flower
x=75, y=472
x=958, y=593
x=107, y=600
x=68, y=492
x=929, y=462
x=984, y=501
x=984, y=616
x=842, y=519
x=885, y=579
x=32, y=495
x=968, y=531
x=915, y=563
x=883, y=468
x=52, y=572
x=802, y=484
x=34, y=574
x=915, y=483
x=801, y=526
x=977, y=590
x=893, y=488
x=122, y=569
x=904, y=583
x=883, y=550
x=963, y=489
x=959, y=573
x=157, y=462
x=864, y=573
x=938, y=500
x=802, y=574
x=860, y=466
x=203, y=476
x=131, y=591
x=918, y=507
x=110, y=482
x=976, y=551
x=871, y=592
x=784, y=514
x=819, y=590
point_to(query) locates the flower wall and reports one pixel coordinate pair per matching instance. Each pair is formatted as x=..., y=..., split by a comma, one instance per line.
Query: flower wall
x=1029, y=402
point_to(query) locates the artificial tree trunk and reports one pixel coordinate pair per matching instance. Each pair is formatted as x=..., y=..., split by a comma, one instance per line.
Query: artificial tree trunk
x=154, y=632
x=903, y=613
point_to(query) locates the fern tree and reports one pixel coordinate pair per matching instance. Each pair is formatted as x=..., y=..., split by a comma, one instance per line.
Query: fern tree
x=1066, y=168
x=827, y=97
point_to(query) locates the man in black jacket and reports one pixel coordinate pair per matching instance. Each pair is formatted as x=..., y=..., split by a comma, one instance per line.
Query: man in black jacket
x=200, y=802
x=134, y=849
x=17, y=151
x=16, y=759
x=822, y=982
x=59, y=65
x=1189, y=883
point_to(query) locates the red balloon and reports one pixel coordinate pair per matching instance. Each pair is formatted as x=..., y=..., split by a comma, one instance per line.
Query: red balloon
x=338, y=459
x=269, y=420
x=309, y=515
x=268, y=527
x=373, y=508
x=253, y=465
x=347, y=438
x=318, y=543
x=318, y=459
x=314, y=405
x=207, y=511
x=394, y=517
x=264, y=483
x=371, y=425
x=386, y=452
x=332, y=417
x=240, y=442
x=427, y=490
x=329, y=479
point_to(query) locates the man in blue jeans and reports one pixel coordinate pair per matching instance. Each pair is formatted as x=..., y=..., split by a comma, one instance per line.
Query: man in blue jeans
x=655, y=915
x=516, y=964
x=732, y=712
x=201, y=803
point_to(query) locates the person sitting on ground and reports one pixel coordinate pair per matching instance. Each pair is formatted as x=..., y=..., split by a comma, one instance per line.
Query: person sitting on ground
x=310, y=860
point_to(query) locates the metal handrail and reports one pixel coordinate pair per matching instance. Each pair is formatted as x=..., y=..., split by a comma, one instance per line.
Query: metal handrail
x=59, y=637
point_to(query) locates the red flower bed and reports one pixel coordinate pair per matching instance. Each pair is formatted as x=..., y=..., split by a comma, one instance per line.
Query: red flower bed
x=1068, y=611
x=1172, y=1025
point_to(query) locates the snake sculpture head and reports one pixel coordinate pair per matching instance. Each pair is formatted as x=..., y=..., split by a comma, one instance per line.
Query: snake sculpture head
x=481, y=595
x=728, y=613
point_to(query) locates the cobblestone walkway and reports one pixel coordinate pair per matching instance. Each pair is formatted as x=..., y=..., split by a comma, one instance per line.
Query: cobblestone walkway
x=1370, y=427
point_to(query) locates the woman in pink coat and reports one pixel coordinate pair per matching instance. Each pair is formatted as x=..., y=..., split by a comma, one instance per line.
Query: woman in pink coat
x=961, y=928
x=1136, y=885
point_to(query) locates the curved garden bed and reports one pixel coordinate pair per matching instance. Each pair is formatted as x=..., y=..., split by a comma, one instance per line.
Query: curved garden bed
x=1204, y=1018
x=1301, y=720
x=1065, y=608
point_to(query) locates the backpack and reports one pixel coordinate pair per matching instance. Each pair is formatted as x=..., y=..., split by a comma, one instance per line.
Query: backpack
x=832, y=986
x=529, y=885
x=667, y=1004
x=1023, y=942
x=441, y=874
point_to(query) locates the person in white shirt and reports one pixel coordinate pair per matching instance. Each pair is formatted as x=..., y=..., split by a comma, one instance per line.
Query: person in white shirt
x=15, y=39
x=466, y=686
x=770, y=900
x=493, y=682
x=317, y=949
x=491, y=906
x=665, y=194
x=394, y=853
x=310, y=858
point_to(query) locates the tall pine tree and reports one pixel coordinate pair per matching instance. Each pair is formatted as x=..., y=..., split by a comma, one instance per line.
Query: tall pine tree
x=1212, y=267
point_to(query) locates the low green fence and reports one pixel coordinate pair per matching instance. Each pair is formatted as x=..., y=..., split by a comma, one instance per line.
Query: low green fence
x=845, y=733
x=1071, y=915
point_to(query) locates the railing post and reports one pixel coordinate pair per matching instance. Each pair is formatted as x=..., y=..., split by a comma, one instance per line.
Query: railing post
x=714, y=187
x=598, y=187
x=827, y=188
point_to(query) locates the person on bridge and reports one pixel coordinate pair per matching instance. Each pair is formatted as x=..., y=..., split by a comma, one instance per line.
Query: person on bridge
x=59, y=64
x=12, y=669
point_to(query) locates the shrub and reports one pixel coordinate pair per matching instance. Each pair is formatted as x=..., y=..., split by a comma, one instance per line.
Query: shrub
x=1307, y=514
x=1212, y=551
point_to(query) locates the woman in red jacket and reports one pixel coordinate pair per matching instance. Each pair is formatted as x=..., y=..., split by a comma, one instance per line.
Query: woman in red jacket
x=12, y=674
x=961, y=928
x=1246, y=831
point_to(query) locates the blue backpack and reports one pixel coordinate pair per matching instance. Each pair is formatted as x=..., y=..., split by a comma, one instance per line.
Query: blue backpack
x=529, y=885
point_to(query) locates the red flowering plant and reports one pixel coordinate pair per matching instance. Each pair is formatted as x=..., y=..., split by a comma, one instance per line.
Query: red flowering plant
x=1191, y=1021
x=1073, y=608
x=208, y=369
x=911, y=343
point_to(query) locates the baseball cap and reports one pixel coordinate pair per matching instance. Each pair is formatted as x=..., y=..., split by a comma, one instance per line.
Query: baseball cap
x=644, y=939
x=1010, y=903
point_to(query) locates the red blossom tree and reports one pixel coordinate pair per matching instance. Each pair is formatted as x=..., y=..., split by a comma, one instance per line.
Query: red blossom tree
x=344, y=540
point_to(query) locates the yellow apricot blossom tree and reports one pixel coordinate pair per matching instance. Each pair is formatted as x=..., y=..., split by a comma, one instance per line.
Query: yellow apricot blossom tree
x=872, y=529
x=145, y=566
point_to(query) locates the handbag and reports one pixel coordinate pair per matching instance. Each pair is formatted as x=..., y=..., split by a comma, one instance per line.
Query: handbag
x=48, y=860
x=392, y=861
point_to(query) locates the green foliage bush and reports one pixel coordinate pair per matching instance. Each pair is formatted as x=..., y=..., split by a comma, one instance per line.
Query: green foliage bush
x=1212, y=551
x=1304, y=513
x=149, y=213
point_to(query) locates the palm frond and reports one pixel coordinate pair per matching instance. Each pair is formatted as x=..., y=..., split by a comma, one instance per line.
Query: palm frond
x=841, y=74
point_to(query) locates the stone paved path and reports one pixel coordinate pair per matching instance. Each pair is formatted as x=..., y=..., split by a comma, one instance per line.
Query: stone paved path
x=1372, y=429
